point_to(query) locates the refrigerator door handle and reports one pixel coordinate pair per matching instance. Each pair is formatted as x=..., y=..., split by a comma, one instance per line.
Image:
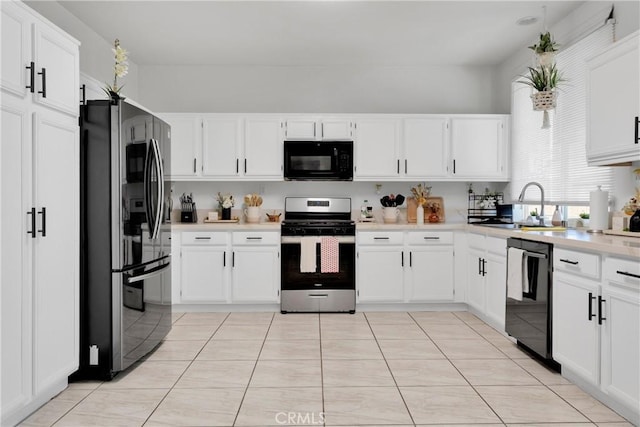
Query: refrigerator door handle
x=160, y=191
x=147, y=190
x=150, y=273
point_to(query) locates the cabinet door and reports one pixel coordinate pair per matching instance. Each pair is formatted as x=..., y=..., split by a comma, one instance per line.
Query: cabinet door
x=186, y=137
x=380, y=274
x=15, y=293
x=576, y=336
x=56, y=255
x=58, y=86
x=336, y=129
x=475, y=280
x=426, y=148
x=430, y=274
x=203, y=274
x=613, y=104
x=263, y=156
x=16, y=54
x=478, y=147
x=256, y=274
x=377, y=149
x=220, y=143
x=621, y=345
x=496, y=288
x=301, y=129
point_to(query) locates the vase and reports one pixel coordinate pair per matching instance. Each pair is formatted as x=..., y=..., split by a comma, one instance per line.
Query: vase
x=226, y=214
x=419, y=215
x=634, y=222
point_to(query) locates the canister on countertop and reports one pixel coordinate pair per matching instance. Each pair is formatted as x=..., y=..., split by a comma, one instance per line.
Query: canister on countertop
x=598, y=211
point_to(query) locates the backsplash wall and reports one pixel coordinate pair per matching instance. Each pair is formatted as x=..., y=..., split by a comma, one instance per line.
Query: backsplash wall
x=274, y=193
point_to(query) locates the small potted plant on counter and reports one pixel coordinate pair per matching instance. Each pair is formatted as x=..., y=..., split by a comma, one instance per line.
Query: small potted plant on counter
x=226, y=203
x=584, y=217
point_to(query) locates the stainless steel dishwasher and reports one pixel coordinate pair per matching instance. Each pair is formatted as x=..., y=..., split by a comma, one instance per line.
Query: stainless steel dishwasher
x=529, y=321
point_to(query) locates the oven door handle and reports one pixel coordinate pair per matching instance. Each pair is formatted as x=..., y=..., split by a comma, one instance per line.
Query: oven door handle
x=318, y=295
x=298, y=239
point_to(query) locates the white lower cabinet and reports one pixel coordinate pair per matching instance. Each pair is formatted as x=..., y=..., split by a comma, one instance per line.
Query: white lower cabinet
x=229, y=267
x=380, y=266
x=596, y=326
x=405, y=267
x=256, y=267
x=487, y=278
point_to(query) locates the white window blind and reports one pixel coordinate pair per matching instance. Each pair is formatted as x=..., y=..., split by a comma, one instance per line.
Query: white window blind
x=556, y=157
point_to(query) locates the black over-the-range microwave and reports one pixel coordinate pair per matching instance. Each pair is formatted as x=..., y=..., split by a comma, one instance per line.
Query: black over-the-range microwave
x=318, y=160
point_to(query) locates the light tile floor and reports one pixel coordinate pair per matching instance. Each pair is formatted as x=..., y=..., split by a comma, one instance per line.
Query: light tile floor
x=377, y=368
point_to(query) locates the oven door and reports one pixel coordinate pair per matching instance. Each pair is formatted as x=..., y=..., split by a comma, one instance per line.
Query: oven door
x=293, y=279
x=328, y=160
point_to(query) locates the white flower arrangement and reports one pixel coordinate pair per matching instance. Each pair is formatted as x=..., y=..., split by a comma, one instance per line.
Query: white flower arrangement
x=120, y=69
x=225, y=200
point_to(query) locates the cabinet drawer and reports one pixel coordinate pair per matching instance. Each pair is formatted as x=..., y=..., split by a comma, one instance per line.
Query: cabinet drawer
x=623, y=271
x=476, y=241
x=496, y=245
x=574, y=262
x=256, y=238
x=204, y=238
x=380, y=238
x=430, y=238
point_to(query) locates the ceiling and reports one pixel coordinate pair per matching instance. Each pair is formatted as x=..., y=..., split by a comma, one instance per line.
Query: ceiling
x=303, y=33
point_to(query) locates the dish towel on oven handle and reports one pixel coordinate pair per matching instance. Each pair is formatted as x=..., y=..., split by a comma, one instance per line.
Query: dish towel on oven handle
x=308, y=254
x=329, y=255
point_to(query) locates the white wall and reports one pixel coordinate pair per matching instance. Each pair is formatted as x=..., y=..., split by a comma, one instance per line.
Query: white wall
x=307, y=89
x=273, y=193
x=96, y=58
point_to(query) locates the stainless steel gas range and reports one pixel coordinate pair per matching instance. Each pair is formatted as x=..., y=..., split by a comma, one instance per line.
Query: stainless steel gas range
x=318, y=256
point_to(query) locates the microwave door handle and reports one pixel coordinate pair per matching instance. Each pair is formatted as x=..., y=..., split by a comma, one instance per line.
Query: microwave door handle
x=147, y=189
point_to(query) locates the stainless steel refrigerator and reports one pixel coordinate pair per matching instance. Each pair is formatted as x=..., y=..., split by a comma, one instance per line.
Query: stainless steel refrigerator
x=125, y=296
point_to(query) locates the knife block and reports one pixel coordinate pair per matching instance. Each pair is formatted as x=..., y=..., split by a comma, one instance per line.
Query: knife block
x=189, y=216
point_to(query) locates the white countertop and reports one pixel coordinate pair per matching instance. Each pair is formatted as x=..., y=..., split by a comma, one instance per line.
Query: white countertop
x=575, y=239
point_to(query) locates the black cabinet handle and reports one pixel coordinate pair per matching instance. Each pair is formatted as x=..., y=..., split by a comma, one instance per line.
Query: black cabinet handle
x=624, y=273
x=237, y=165
x=398, y=168
x=224, y=258
x=600, y=316
x=405, y=165
x=568, y=261
x=43, y=231
x=43, y=73
x=402, y=259
x=410, y=259
x=194, y=165
x=32, y=212
x=233, y=259
x=254, y=238
x=203, y=238
x=245, y=165
x=380, y=238
x=479, y=266
x=637, y=137
x=454, y=165
x=431, y=238
x=32, y=77
x=484, y=264
x=83, y=94
x=591, y=315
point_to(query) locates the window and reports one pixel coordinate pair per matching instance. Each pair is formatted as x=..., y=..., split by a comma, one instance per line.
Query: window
x=556, y=157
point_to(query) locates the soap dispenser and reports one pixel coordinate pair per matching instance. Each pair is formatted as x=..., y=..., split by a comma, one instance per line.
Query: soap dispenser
x=557, y=217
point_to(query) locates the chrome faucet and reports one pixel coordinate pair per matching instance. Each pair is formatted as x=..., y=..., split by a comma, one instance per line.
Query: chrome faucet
x=521, y=198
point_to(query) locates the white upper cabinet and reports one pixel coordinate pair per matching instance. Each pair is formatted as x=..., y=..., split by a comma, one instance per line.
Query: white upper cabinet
x=426, y=147
x=263, y=149
x=313, y=129
x=186, y=139
x=39, y=59
x=377, y=149
x=478, y=147
x=220, y=146
x=613, y=104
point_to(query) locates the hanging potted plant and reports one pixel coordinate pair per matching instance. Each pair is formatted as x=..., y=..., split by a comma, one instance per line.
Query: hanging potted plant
x=544, y=80
x=545, y=49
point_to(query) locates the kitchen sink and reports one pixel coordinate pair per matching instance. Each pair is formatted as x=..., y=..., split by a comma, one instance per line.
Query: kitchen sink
x=525, y=227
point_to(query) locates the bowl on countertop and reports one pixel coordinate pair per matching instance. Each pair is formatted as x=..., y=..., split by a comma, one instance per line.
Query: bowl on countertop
x=274, y=217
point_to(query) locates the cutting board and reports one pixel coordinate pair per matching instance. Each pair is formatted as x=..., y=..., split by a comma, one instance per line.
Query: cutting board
x=622, y=233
